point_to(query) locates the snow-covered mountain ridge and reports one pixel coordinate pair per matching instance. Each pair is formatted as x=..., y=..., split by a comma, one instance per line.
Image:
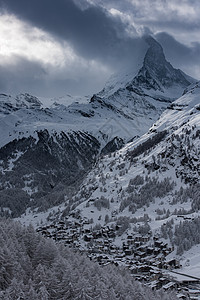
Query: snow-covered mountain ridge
x=140, y=206
x=69, y=170
x=170, y=148
x=43, y=142
x=129, y=102
x=155, y=77
x=144, y=189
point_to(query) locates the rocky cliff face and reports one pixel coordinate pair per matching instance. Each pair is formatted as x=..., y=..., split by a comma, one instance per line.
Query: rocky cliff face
x=156, y=73
x=43, y=168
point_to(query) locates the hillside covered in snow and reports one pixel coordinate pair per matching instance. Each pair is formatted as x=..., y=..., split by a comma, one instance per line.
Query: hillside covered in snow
x=115, y=175
x=47, y=147
x=140, y=204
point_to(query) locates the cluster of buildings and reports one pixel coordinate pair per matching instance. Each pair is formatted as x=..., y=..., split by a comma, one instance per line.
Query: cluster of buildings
x=144, y=255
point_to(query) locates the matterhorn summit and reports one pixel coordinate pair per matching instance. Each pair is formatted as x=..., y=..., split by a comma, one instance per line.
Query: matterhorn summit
x=156, y=77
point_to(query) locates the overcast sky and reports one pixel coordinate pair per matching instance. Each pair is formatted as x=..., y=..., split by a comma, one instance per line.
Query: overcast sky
x=56, y=47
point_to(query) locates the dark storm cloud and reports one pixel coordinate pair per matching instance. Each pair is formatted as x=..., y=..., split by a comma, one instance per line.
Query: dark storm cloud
x=162, y=15
x=96, y=36
x=92, y=32
x=23, y=75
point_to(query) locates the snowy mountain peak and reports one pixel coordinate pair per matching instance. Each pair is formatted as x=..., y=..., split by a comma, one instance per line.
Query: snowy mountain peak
x=9, y=103
x=154, y=53
x=158, y=75
x=154, y=77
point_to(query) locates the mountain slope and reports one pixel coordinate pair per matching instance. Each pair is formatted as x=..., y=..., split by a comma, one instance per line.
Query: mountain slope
x=170, y=148
x=129, y=102
x=150, y=170
x=140, y=206
x=50, y=146
x=158, y=74
x=41, y=170
x=155, y=78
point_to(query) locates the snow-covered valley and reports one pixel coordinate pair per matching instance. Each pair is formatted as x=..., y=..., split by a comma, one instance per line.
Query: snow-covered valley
x=134, y=204
x=116, y=175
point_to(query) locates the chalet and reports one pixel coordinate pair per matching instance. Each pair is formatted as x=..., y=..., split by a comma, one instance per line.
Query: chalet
x=101, y=248
x=149, y=250
x=182, y=296
x=144, y=268
x=145, y=238
x=137, y=244
x=130, y=240
x=173, y=263
x=118, y=227
x=156, y=251
x=165, y=252
x=155, y=273
x=72, y=214
x=141, y=238
x=125, y=246
x=158, y=264
x=164, y=280
x=52, y=226
x=154, y=285
x=164, y=245
x=59, y=238
x=158, y=243
x=142, y=248
x=60, y=227
x=87, y=238
x=60, y=231
x=140, y=254
x=61, y=223
x=160, y=257
x=106, y=242
x=170, y=286
x=113, y=247
x=138, y=238
x=128, y=252
x=119, y=256
x=68, y=241
x=150, y=261
x=114, y=213
x=129, y=237
x=91, y=200
x=73, y=231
